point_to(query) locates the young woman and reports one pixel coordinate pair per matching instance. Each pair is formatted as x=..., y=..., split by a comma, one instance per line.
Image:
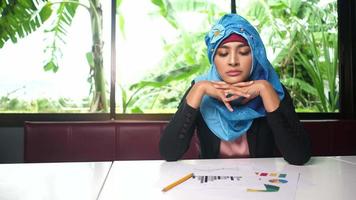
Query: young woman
x=239, y=107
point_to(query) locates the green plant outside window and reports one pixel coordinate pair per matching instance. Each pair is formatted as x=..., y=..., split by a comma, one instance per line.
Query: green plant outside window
x=300, y=37
x=158, y=57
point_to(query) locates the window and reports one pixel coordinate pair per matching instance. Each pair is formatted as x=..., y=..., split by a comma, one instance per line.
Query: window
x=160, y=49
x=159, y=44
x=54, y=67
x=156, y=67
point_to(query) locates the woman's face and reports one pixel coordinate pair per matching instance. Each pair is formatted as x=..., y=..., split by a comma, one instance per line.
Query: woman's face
x=233, y=61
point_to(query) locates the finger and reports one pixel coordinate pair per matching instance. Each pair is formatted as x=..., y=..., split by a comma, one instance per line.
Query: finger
x=228, y=106
x=236, y=93
x=226, y=103
x=232, y=98
x=242, y=84
x=221, y=86
x=220, y=82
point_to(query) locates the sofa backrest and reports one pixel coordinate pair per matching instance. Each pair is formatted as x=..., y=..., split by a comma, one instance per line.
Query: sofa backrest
x=94, y=141
x=129, y=140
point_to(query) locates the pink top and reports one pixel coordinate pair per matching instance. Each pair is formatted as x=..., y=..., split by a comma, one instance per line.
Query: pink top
x=235, y=149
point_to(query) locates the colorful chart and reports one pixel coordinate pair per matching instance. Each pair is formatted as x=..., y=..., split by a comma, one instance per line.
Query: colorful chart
x=271, y=177
x=276, y=181
x=282, y=175
x=274, y=174
x=269, y=188
x=272, y=181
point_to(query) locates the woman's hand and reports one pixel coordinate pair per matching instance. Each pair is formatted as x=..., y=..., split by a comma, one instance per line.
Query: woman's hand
x=253, y=89
x=213, y=89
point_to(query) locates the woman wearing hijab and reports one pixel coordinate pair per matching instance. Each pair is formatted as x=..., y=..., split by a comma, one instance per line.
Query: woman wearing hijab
x=239, y=107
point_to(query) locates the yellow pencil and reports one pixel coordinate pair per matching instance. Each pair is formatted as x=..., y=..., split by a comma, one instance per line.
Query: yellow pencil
x=172, y=185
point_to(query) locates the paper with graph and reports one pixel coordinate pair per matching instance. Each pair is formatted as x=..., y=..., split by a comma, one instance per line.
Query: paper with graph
x=220, y=182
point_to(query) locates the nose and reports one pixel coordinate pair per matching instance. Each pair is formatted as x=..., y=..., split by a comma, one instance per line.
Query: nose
x=234, y=60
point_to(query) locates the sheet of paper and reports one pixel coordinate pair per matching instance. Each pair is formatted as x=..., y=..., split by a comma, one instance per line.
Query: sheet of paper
x=233, y=182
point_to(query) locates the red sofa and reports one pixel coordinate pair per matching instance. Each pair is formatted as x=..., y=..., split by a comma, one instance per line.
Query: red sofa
x=129, y=140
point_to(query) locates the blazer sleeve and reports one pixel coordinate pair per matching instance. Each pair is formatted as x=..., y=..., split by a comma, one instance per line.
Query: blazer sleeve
x=176, y=137
x=290, y=137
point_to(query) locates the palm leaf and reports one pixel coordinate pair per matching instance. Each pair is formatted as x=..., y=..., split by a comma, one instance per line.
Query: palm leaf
x=120, y=17
x=306, y=87
x=20, y=18
x=315, y=76
x=294, y=6
x=164, y=79
x=65, y=14
x=166, y=11
x=189, y=5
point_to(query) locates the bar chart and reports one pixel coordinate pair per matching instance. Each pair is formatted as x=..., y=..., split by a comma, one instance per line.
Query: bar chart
x=206, y=179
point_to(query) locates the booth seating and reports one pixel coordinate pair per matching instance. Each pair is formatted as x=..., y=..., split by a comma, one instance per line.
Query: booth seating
x=138, y=140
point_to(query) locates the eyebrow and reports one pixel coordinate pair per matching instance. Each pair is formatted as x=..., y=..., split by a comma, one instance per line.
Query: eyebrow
x=238, y=46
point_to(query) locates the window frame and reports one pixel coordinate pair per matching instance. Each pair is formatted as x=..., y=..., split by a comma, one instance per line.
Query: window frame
x=347, y=81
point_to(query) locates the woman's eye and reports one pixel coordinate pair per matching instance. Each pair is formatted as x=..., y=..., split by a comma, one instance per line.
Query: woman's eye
x=245, y=52
x=222, y=54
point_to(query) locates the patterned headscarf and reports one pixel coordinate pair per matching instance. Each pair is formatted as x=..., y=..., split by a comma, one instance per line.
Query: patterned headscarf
x=228, y=125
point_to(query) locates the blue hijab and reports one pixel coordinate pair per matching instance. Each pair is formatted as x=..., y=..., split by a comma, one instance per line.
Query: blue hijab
x=227, y=125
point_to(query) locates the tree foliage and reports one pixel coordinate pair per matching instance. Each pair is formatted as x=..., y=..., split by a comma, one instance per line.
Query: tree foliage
x=301, y=34
x=19, y=18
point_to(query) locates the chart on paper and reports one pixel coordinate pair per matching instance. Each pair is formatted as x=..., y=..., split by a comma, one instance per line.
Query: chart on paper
x=207, y=179
x=225, y=183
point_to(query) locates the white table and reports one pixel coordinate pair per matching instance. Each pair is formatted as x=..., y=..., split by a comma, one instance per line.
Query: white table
x=347, y=159
x=52, y=181
x=321, y=178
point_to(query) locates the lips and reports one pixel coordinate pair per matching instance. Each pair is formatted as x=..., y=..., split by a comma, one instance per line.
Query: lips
x=234, y=73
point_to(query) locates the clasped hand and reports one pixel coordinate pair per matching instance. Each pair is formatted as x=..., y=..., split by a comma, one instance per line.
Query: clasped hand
x=227, y=93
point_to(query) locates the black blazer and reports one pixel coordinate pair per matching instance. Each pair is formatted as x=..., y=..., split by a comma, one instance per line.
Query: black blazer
x=280, y=128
